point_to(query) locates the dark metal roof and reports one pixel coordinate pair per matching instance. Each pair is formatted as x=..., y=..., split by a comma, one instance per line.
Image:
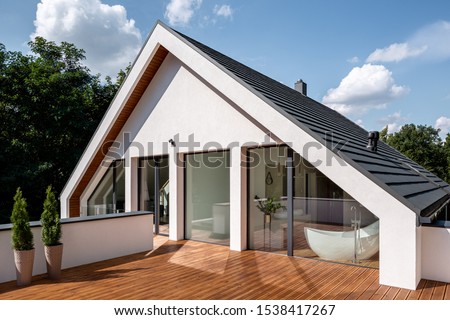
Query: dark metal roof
x=416, y=187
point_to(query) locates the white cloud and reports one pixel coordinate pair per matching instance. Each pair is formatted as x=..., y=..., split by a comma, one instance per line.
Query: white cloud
x=395, y=52
x=431, y=42
x=395, y=117
x=224, y=11
x=110, y=39
x=437, y=39
x=394, y=127
x=443, y=123
x=364, y=88
x=394, y=122
x=360, y=123
x=180, y=12
x=353, y=60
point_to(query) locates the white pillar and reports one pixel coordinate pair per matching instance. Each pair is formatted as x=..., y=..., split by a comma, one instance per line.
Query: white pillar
x=400, y=251
x=131, y=184
x=238, y=199
x=176, y=196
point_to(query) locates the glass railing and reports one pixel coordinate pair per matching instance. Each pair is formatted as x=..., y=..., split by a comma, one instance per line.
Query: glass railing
x=330, y=229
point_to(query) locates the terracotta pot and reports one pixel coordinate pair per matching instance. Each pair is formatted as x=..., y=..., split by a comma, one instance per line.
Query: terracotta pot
x=53, y=258
x=24, y=260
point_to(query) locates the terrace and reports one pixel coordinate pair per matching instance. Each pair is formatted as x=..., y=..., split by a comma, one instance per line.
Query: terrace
x=197, y=270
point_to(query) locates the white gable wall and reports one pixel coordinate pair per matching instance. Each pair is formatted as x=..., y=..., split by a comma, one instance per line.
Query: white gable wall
x=179, y=103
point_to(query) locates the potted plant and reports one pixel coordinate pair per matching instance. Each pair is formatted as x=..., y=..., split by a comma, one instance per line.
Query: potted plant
x=268, y=207
x=51, y=235
x=22, y=240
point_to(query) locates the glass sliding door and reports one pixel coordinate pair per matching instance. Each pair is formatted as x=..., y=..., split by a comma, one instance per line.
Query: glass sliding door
x=154, y=191
x=109, y=195
x=327, y=223
x=207, y=197
x=267, y=199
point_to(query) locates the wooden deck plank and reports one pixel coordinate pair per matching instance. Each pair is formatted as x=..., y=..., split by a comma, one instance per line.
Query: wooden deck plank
x=311, y=280
x=427, y=290
x=315, y=286
x=346, y=290
x=402, y=294
x=391, y=293
x=364, y=285
x=439, y=291
x=379, y=294
x=195, y=270
x=447, y=292
x=334, y=290
x=415, y=295
x=370, y=291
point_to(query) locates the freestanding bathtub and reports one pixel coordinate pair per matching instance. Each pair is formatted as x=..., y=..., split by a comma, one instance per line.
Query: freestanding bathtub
x=336, y=245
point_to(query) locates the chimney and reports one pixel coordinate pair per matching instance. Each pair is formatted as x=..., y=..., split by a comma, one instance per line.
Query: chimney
x=301, y=87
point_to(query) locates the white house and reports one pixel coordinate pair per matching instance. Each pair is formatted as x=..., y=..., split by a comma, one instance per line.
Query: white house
x=203, y=140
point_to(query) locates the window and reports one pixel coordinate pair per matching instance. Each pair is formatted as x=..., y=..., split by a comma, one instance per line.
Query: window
x=207, y=200
x=327, y=222
x=109, y=195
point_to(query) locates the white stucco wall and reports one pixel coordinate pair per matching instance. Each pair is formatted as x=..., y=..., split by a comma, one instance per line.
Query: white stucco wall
x=178, y=105
x=85, y=242
x=436, y=254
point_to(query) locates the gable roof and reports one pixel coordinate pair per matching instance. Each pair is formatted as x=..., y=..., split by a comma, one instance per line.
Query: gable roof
x=419, y=189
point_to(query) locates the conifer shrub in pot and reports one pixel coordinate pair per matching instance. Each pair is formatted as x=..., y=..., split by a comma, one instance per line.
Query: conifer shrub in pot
x=51, y=235
x=22, y=240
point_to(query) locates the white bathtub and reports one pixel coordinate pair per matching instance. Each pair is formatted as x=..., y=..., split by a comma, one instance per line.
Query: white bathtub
x=336, y=245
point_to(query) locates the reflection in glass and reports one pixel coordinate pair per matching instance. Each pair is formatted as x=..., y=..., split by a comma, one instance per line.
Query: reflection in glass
x=109, y=195
x=154, y=196
x=207, y=200
x=328, y=223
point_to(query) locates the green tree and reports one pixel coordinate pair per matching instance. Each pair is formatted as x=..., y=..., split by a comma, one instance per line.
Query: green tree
x=50, y=105
x=22, y=237
x=447, y=152
x=384, y=134
x=50, y=222
x=423, y=145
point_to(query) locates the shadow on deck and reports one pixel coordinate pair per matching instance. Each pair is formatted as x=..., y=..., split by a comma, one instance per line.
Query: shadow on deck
x=194, y=270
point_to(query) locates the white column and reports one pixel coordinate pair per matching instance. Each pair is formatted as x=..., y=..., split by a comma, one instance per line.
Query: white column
x=238, y=199
x=131, y=184
x=176, y=196
x=400, y=251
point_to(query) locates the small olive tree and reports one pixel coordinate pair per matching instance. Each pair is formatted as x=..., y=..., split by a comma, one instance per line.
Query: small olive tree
x=51, y=225
x=22, y=237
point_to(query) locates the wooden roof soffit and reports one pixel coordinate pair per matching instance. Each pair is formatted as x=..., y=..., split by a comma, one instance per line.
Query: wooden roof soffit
x=134, y=97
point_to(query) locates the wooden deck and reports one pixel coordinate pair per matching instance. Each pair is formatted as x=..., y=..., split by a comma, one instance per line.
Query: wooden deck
x=194, y=270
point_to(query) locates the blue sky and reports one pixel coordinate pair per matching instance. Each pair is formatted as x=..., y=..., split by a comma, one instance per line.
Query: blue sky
x=377, y=62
